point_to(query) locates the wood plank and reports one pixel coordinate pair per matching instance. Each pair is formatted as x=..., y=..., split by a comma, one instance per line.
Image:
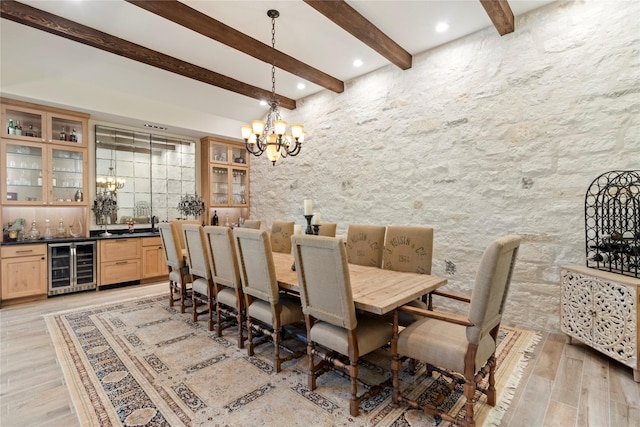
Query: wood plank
x=560, y=415
x=500, y=14
x=182, y=14
x=65, y=28
x=594, y=393
x=358, y=26
x=547, y=365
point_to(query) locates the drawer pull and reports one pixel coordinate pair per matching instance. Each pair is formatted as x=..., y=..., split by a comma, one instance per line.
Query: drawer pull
x=24, y=251
x=122, y=262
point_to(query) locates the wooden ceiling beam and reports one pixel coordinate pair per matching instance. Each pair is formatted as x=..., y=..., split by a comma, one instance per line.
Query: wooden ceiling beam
x=182, y=14
x=53, y=24
x=358, y=26
x=500, y=14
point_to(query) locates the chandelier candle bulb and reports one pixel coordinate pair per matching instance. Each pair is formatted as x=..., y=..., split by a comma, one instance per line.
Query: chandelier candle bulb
x=308, y=207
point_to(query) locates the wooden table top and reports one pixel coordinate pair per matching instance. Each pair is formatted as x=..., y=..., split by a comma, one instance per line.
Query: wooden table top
x=375, y=290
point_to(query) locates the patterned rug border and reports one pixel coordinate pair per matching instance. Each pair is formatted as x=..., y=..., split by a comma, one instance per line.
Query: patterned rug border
x=80, y=382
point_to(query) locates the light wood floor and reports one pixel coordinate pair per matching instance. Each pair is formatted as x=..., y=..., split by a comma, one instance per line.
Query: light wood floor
x=563, y=385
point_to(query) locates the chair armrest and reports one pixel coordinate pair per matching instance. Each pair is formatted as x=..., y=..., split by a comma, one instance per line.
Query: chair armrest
x=440, y=315
x=452, y=296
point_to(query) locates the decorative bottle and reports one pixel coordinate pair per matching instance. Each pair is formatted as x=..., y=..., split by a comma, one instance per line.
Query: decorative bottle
x=47, y=230
x=63, y=134
x=226, y=221
x=214, y=220
x=11, y=130
x=34, y=234
x=18, y=129
x=61, y=230
x=73, y=137
x=79, y=196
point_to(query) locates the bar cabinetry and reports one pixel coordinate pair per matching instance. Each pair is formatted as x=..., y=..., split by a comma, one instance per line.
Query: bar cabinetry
x=24, y=272
x=601, y=310
x=120, y=260
x=153, y=261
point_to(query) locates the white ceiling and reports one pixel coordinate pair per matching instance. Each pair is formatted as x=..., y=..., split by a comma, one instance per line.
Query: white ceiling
x=46, y=68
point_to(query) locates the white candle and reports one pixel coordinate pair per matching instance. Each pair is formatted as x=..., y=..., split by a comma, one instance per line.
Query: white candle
x=297, y=229
x=316, y=219
x=308, y=207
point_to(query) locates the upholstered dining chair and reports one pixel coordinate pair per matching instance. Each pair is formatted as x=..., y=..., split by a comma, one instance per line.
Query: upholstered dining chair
x=464, y=345
x=267, y=310
x=202, y=286
x=179, y=276
x=226, y=277
x=281, y=232
x=177, y=226
x=252, y=223
x=408, y=249
x=334, y=331
x=365, y=244
x=327, y=229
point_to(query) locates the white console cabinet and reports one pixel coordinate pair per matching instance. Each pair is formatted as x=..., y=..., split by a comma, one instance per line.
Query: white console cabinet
x=601, y=310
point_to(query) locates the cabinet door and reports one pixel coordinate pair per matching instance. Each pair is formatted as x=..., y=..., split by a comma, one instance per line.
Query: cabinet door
x=219, y=185
x=24, y=277
x=239, y=181
x=24, y=179
x=68, y=170
x=576, y=302
x=153, y=263
x=67, y=129
x=219, y=153
x=32, y=123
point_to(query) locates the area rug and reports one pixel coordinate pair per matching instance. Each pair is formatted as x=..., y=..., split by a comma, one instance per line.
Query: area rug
x=140, y=362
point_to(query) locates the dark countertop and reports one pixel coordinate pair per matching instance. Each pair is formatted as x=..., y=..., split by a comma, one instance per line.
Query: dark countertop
x=95, y=235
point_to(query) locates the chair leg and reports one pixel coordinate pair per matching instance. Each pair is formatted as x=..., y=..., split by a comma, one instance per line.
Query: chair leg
x=491, y=390
x=218, y=320
x=311, y=377
x=249, y=338
x=171, y=292
x=240, y=333
x=469, y=393
x=354, y=403
x=276, y=349
x=194, y=303
x=211, y=306
x=183, y=295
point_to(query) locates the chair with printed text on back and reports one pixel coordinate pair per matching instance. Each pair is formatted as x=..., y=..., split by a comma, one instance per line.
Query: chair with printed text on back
x=365, y=244
x=460, y=346
x=179, y=275
x=267, y=310
x=408, y=249
x=202, y=286
x=281, y=232
x=336, y=336
x=327, y=229
x=226, y=276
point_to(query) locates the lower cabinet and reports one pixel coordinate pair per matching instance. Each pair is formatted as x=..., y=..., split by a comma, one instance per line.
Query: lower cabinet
x=130, y=259
x=120, y=260
x=601, y=310
x=24, y=272
x=153, y=261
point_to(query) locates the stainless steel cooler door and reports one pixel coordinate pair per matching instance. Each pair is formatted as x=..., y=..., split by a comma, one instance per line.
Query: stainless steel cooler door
x=60, y=267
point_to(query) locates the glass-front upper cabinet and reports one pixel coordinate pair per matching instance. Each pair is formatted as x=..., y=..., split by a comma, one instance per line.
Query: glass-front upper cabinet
x=28, y=122
x=68, y=167
x=43, y=174
x=23, y=181
x=226, y=176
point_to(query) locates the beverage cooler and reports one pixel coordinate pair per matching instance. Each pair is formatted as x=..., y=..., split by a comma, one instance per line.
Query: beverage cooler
x=72, y=267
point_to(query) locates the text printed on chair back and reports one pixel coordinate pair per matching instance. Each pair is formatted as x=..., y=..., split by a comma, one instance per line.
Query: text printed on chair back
x=281, y=232
x=257, y=271
x=408, y=249
x=323, y=277
x=365, y=244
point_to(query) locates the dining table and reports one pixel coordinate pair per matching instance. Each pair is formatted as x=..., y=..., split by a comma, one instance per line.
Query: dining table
x=375, y=290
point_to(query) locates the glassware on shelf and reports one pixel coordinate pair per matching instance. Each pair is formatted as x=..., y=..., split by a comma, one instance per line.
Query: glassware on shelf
x=47, y=230
x=34, y=234
x=62, y=232
x=75, y=229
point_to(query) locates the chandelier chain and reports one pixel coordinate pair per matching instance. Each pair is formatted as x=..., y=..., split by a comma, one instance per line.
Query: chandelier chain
x=273, y=59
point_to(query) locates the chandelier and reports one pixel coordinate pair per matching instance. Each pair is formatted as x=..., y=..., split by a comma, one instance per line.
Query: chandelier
x=271, y=136
x=110, y=182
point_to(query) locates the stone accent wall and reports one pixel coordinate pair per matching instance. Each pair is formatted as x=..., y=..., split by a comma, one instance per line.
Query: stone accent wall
x=482, y=137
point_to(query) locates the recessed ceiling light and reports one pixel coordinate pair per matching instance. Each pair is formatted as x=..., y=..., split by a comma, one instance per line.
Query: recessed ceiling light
x=301, y=86
x=442, y=27
x=357, y=63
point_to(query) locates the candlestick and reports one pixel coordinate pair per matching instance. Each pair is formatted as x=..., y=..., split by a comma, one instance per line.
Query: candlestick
x=309, y=230
x=316, y=229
